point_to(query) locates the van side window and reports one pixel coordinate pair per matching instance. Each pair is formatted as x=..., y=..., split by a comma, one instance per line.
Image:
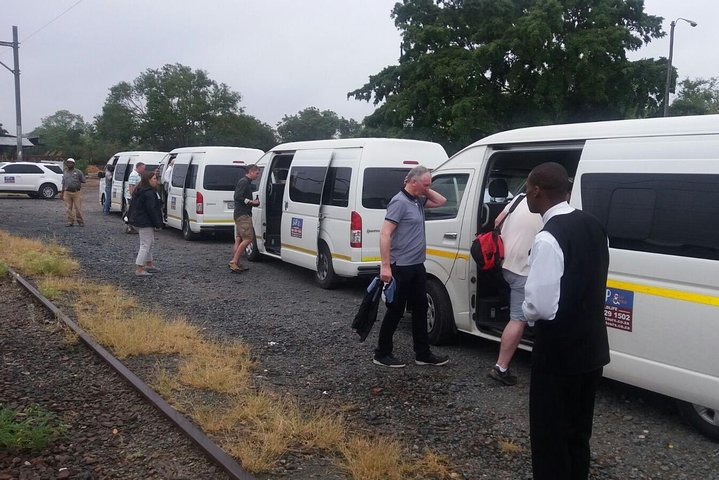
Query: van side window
x=671, y=214
x=120, y=172
x=337, y=187
x=178, y=175
x=452, y=187
x=222, y=177
x=306, y=184
x=191, y=180
x=379, y=185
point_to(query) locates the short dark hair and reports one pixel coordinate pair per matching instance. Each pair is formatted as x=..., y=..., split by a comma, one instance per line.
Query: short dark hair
x=252, y=168
x=139, y=164
x=552, y=178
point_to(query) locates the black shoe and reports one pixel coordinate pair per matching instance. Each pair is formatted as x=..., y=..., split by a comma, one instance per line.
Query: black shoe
x=69, y=225
x=387, y=361
x=503, y=377
x=432, y=359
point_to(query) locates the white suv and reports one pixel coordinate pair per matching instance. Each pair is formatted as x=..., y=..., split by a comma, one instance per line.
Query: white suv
x=34, y=179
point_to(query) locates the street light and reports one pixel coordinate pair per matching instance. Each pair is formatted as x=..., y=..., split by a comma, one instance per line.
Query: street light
x=669, y=63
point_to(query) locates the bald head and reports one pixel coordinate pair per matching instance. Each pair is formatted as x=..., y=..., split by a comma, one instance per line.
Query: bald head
x=547, y=185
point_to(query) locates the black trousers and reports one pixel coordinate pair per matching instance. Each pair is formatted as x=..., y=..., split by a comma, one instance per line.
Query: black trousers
x=411, y=289
x=561, y=410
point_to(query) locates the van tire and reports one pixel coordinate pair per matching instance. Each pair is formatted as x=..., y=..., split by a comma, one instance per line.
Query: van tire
x=187, y=233
x=325, y=273
x=440, y=318
x=704, y=419
x=251, y=252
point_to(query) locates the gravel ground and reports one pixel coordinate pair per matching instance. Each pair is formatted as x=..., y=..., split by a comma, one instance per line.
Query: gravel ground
x=305, y=346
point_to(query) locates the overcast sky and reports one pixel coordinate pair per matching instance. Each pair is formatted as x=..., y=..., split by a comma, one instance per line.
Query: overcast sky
x=281, y=55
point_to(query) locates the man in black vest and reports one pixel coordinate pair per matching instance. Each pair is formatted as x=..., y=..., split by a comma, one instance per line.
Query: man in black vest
x=564, y=295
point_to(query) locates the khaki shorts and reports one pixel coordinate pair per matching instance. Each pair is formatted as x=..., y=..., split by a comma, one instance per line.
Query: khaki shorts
x=243, y=227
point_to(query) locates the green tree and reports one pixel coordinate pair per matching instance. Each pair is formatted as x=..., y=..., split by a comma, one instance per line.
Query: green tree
x=469, y=68
x=240, y=129
x=173, y=106
x=696, y=97
x=313, y=124
x=63, y=133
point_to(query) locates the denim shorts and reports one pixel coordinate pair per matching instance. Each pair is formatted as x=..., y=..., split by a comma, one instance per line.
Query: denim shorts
x=516, y=297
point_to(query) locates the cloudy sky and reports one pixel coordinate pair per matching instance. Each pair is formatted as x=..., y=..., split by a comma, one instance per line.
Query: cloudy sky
x=281, y=55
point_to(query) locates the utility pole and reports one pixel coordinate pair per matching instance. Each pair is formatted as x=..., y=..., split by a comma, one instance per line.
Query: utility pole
x=16, y=72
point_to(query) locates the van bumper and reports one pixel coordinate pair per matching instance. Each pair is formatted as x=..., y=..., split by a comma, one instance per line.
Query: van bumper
x=217, y=228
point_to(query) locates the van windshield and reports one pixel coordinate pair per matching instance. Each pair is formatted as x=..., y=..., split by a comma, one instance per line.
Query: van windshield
x=380, y=185
x=222, y=177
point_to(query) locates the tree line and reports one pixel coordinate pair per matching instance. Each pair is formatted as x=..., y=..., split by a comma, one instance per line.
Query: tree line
x=467, y=69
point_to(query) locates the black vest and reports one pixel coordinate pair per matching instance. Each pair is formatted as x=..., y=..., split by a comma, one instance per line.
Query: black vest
x=575, y=341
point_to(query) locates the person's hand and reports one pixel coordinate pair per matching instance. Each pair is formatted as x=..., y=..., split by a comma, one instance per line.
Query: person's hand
x=256, y=202
x=385, y=274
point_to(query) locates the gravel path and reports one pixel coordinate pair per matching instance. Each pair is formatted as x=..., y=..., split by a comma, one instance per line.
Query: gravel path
x=302, y=338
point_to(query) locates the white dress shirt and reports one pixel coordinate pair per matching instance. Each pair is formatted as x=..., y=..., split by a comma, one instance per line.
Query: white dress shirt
x=546, y=262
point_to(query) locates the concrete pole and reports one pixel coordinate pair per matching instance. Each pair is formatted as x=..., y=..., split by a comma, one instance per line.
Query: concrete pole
x=18, y=114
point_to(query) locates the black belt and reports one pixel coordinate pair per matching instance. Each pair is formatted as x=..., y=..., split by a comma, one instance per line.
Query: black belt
x=72, y=191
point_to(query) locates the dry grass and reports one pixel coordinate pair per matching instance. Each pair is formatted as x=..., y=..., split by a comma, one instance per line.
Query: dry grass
x=223, y=368
x=433, y=466
x=374, y=459
x=33, y=257
x=509, y=447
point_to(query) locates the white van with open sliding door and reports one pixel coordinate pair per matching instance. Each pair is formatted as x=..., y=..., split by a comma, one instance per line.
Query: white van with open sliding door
x=654, y=185
x=124, y=163
x=201, y=196
x=322, y=203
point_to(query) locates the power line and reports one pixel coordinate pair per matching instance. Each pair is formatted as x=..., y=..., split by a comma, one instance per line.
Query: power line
x=51, y=21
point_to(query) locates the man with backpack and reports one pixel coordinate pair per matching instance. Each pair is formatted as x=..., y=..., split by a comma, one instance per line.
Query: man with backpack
x=518, y=229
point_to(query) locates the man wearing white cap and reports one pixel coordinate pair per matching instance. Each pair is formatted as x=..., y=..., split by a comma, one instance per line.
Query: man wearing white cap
x=72, y=181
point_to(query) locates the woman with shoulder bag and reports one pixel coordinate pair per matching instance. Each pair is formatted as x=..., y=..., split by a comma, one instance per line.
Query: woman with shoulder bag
x=145, y=215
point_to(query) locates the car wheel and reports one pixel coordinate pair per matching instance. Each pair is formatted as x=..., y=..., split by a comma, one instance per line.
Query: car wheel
x=187, y=233
x=47, y=191
x=440, y=319
x=704, y=419
x=251, y=252
x=325, y=274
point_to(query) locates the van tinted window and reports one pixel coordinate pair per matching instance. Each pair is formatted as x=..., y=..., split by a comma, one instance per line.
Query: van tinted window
x=452, y=187
x=120, y=172
x=380, y=185
x=670, y=214
x=306, y=184
x=337, y=187
x=222, y=177
x=54, y=168
x=178, y=175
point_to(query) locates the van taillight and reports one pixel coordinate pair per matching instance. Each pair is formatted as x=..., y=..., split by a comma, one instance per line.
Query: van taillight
x=356, y=230
x=199, y=204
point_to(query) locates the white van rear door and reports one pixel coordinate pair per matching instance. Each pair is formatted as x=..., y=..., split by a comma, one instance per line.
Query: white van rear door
x=301, y=206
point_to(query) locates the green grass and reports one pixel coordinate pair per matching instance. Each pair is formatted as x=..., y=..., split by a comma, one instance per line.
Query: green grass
x=30, y=429
x=3, y=269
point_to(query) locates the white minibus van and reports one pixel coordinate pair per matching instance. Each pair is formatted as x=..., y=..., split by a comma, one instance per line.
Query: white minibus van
x=654, y=185
x=124, y=163
x=322, y=202
x=201, y=195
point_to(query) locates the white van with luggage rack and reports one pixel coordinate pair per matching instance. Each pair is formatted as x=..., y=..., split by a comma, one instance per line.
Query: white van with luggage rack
x=322, y=202
x=654, y=185
x=201, y=195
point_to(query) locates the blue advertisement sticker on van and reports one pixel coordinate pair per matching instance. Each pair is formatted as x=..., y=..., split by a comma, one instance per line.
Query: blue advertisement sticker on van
x=619, y=308
x=296, y=227
x=9, y=180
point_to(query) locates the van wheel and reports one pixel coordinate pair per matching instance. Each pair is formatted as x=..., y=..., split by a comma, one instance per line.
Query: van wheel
x=325, y=275
x=704, y=419
x=47, y=191
x=440, y=319
x=251, y=252
x=187, y=233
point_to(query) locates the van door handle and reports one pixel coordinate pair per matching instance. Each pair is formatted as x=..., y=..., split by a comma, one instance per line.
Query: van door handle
x=450, y=236
x=285, y=205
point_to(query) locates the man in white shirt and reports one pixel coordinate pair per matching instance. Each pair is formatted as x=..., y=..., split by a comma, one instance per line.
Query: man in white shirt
x=130, y=185
x=166, y=182
x=564, y=300
x=518, y=230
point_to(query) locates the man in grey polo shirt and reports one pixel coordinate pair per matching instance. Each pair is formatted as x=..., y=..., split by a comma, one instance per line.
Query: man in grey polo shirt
x=403, y=248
